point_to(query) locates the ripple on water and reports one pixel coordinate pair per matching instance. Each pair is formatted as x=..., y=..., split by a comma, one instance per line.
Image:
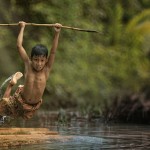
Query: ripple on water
x=78, y=142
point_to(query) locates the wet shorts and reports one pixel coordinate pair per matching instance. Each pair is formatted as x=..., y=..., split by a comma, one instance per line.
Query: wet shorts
x=15, y=106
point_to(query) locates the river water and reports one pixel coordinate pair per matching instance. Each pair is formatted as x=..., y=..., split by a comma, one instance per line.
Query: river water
x=81, y=134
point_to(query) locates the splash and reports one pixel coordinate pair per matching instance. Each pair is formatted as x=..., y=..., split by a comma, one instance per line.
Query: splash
x=8, y=79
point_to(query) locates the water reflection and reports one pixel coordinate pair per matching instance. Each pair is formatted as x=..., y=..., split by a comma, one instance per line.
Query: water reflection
x=93, y=135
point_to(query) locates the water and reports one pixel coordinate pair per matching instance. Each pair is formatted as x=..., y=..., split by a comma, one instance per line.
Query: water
x=8, y=79
x=80, y=134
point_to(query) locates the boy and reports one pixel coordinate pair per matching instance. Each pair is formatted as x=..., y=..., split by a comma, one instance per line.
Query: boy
x=28, y=98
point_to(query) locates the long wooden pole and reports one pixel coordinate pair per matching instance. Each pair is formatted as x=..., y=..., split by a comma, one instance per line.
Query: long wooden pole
x=50, y=25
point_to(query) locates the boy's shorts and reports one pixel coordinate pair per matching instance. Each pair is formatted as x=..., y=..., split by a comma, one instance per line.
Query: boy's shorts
x=15, y=106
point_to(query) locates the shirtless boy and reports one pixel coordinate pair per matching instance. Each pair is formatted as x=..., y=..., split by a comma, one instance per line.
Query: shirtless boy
x=28, y=97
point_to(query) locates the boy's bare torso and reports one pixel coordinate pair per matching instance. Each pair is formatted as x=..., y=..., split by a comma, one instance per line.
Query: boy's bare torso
x=35, y=83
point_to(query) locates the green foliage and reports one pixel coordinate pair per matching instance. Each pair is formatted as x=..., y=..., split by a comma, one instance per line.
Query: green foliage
x=90, y=69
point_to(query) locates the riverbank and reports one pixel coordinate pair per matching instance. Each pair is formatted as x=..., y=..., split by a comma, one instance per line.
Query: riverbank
x=11, y=137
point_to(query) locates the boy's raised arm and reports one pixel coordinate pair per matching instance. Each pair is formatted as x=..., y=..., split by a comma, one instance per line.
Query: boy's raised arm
x=54, y=45
x=21, y=50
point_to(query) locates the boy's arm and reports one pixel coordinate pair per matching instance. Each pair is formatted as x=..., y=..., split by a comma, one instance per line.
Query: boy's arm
x=21, y=50
x=54, y=45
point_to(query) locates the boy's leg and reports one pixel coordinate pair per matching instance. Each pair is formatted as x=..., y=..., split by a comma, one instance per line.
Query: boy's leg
x=12, y=82
x=8, y=91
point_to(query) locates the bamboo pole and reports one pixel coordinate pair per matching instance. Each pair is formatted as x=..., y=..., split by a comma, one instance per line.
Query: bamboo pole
x=50, y=25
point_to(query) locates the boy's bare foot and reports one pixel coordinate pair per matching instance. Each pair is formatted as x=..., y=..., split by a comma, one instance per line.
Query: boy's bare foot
x=15, y=78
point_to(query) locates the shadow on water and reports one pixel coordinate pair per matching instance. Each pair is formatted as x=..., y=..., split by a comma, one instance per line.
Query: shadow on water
x=78, y=133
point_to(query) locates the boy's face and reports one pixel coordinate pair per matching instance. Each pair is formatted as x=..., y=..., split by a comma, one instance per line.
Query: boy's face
x=38, y=62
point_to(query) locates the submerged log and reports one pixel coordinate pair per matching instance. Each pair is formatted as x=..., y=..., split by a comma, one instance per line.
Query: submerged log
x=11, y=137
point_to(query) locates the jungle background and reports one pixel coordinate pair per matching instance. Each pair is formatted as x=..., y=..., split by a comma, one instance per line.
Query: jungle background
x=91, y=70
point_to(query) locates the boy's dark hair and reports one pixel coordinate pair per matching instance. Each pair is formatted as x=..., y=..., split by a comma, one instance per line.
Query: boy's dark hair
x=38, y=50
